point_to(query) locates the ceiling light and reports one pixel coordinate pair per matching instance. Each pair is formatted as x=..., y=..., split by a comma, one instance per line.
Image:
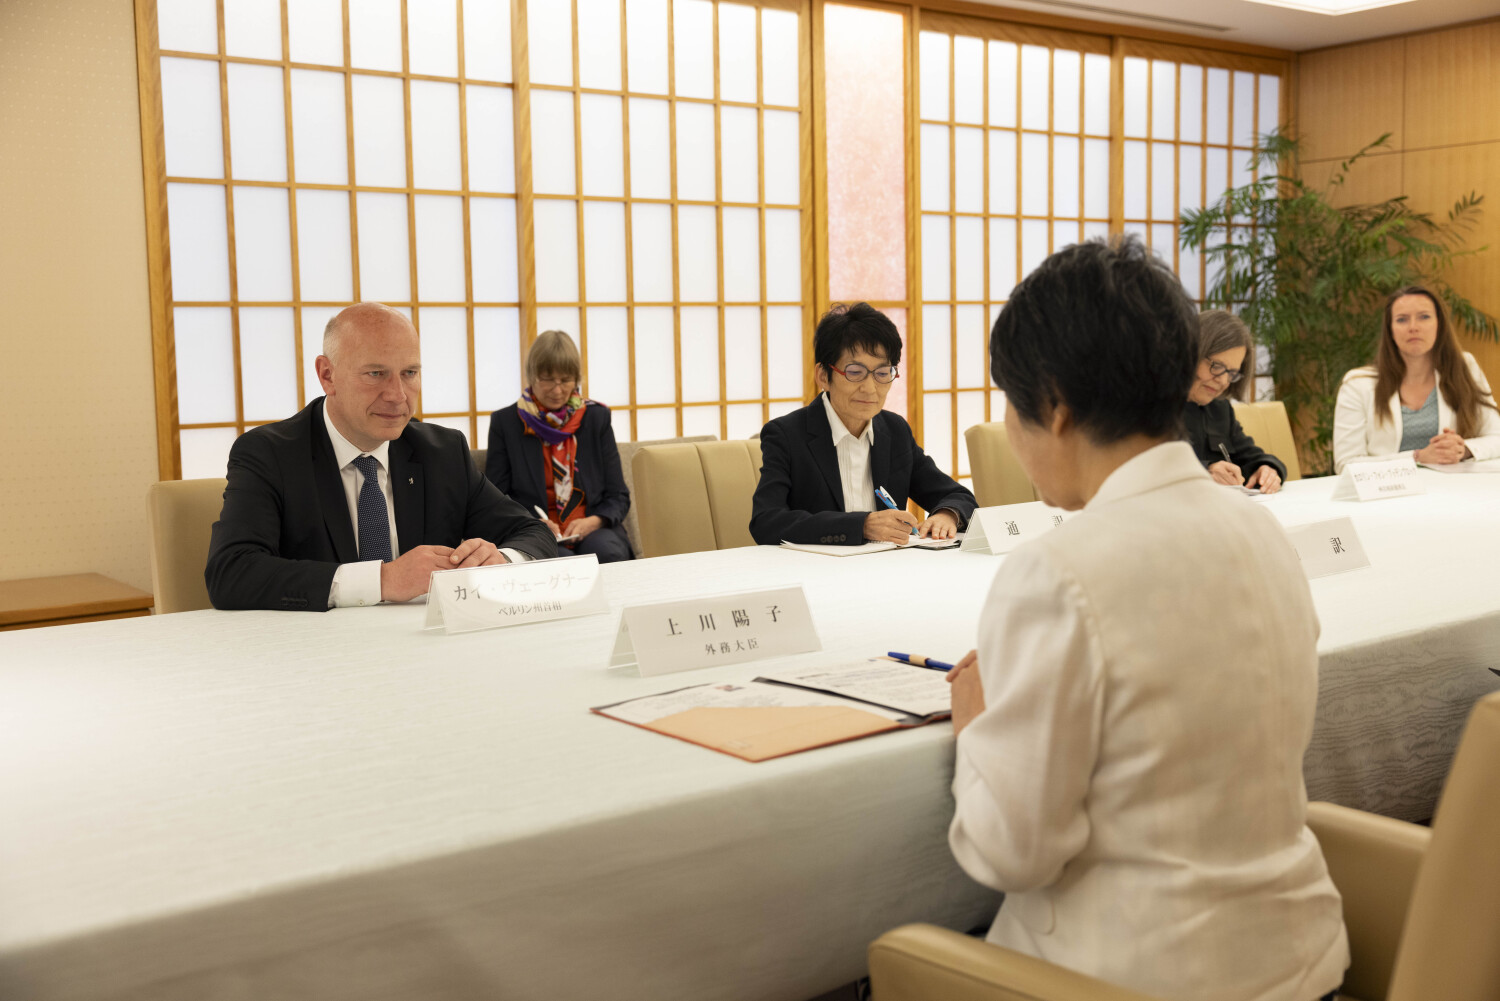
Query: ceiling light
x=1331, y=6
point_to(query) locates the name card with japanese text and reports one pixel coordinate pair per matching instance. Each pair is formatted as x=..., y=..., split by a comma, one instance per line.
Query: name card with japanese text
x=1328, y=547
x=716, y=629
x=998, y=530
x=1375, y=479
x=509, y=594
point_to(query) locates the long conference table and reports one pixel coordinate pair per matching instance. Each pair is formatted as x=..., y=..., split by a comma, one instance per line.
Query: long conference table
x=246, y=805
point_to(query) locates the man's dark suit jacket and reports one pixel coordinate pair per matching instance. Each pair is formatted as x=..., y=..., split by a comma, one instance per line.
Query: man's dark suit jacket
x=285, y=526
x=515, y=463
x=801, y=497
x=1206, y=428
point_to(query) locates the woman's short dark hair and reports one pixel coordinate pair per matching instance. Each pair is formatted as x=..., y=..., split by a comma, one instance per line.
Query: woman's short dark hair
x=1106, y=329
x=848, y=326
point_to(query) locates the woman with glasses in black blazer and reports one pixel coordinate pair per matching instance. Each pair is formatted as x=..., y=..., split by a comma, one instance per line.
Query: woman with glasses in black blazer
x=1226, y=451
x=840, y=470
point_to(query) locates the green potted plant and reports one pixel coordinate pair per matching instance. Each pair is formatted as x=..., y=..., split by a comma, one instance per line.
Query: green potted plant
x=1311, y=278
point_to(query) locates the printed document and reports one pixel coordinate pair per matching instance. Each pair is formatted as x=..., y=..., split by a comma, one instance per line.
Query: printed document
x=733, y=695
x=917, y=691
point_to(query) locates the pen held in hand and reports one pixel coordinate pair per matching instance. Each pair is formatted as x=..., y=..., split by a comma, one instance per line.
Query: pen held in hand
x=548, y=522
x=917, y=660
x=882, y=495
x=1225, y=453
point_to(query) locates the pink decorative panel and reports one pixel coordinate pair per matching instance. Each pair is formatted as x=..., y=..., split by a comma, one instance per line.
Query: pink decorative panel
x=896, y=402
x=865, y=108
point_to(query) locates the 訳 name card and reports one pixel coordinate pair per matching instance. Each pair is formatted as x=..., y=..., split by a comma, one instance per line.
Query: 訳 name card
x=509, y=594
x=712, y=630
x=998, y=530
x=1328, y=547
x=1377, y=479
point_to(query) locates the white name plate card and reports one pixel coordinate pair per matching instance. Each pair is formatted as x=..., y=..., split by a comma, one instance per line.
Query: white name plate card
x=1328, y=547
x=1376, y=479
x=716, y=629
x=509, y=594
x=998, y=530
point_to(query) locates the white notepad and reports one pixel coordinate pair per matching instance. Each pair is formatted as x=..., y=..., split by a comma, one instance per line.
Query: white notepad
x=873, y=547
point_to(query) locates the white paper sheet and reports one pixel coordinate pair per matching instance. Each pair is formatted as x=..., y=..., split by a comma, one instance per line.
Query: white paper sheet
x=957, y=540
x=732, y=695
x=873, y=547
x=868, y=547
x=919, y=691
x=1467, y=466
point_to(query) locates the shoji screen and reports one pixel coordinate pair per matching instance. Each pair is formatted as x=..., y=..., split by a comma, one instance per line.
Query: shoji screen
x=1014, y=163
x=1190, y=122
x=668, y=199
x=863, y=171
x=320, y=152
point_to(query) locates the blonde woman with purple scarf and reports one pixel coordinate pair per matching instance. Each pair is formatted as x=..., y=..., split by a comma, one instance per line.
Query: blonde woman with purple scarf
x=554, y=452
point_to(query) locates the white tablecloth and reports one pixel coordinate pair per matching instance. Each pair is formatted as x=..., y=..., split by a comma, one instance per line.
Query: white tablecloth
x=1406, y=643
x=269, y=804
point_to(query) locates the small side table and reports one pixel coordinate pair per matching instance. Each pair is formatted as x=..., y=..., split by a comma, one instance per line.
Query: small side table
x=79, y=597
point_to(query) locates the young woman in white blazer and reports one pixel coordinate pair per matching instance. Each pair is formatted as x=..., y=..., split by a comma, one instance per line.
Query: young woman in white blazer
x=1132, y=725
x=1424, y=394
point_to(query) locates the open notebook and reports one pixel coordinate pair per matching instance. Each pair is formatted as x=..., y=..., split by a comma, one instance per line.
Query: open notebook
x=792, y=710
x=874, y=547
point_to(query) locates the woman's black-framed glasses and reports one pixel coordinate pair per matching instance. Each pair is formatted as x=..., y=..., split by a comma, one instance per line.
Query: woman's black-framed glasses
x=855, y=372
x=1216, y=369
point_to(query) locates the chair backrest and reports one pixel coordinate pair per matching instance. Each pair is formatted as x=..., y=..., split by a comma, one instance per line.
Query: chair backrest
x=1268, y=424
x=1450, y=946
x=694, y=497
x=627, y=467
x=998, y=475
x=480, y=455
x=182, y=514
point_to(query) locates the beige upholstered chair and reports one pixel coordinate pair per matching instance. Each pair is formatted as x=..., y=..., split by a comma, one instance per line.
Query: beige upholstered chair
x=928, y=963
x=694, y=497
x=1423, y=904
x=1422, y=907
x=1267, y=423
x=998, y=476
x=627, y=453
x=627, y=467
x=182, y=513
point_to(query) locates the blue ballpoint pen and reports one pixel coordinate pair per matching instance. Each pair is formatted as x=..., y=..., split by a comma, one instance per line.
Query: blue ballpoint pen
x=917, y=660
x=885, y=498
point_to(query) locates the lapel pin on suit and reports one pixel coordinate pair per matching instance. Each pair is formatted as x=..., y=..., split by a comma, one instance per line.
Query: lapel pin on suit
x=410, y=482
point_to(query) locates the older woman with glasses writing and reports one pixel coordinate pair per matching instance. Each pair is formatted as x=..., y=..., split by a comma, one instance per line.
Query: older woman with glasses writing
x=840, y=470
x=1230, y=455
x=554, y=452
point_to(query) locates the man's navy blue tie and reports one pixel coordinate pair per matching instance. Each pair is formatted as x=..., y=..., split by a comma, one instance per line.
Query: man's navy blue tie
x=374, y=522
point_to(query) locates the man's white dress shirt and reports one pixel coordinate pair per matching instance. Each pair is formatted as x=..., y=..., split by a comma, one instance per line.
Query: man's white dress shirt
x=1134, y=782
x=359, y=583
x=854, y=461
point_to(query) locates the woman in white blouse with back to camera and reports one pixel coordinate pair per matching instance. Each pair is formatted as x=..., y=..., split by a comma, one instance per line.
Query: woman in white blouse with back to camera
x=1132, y=725
x=1425, y=394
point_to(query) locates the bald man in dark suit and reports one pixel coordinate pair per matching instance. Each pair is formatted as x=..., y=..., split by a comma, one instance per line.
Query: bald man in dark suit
x=351, y=503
